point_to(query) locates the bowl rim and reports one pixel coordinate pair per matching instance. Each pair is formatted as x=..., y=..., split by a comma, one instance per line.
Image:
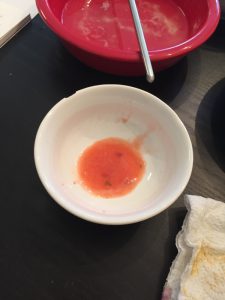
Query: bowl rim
x=99, y=218
x=179, y=50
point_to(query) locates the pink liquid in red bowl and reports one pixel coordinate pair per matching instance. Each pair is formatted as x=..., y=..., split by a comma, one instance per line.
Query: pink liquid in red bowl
x=101, y=33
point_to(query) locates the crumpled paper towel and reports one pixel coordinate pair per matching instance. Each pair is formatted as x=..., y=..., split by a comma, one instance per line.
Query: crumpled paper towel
x=198, y=271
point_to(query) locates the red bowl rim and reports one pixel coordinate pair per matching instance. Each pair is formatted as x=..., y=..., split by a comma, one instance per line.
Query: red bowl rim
x=179, y=50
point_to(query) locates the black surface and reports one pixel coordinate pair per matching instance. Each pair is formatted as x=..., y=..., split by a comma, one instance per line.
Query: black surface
x=213, y=130
x=45, y=252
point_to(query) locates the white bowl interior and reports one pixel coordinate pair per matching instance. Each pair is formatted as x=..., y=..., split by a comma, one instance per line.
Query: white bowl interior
x=106, y=111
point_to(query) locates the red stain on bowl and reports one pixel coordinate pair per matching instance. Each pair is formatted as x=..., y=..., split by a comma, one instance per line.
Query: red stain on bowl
x=111, y=167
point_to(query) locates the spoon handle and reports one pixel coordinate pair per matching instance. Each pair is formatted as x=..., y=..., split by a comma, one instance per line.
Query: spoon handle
x=142, y=43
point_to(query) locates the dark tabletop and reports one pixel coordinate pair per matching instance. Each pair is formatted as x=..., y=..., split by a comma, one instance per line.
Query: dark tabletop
x=47, y=253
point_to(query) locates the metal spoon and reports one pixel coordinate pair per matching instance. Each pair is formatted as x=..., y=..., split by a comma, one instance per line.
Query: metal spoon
x=142, y=43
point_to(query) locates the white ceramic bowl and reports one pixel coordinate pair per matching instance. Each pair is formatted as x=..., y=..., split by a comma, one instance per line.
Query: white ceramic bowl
x=125, y=112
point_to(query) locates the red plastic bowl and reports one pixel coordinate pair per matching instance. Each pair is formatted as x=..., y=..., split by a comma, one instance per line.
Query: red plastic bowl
x=101, y=33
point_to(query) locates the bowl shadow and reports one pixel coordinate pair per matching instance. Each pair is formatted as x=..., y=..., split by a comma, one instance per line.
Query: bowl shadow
x=73, y=75
x=115, y=247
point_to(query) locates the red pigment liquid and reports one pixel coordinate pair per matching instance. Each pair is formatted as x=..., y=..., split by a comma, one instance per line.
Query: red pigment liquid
x=109, y=23
x=111, y=168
